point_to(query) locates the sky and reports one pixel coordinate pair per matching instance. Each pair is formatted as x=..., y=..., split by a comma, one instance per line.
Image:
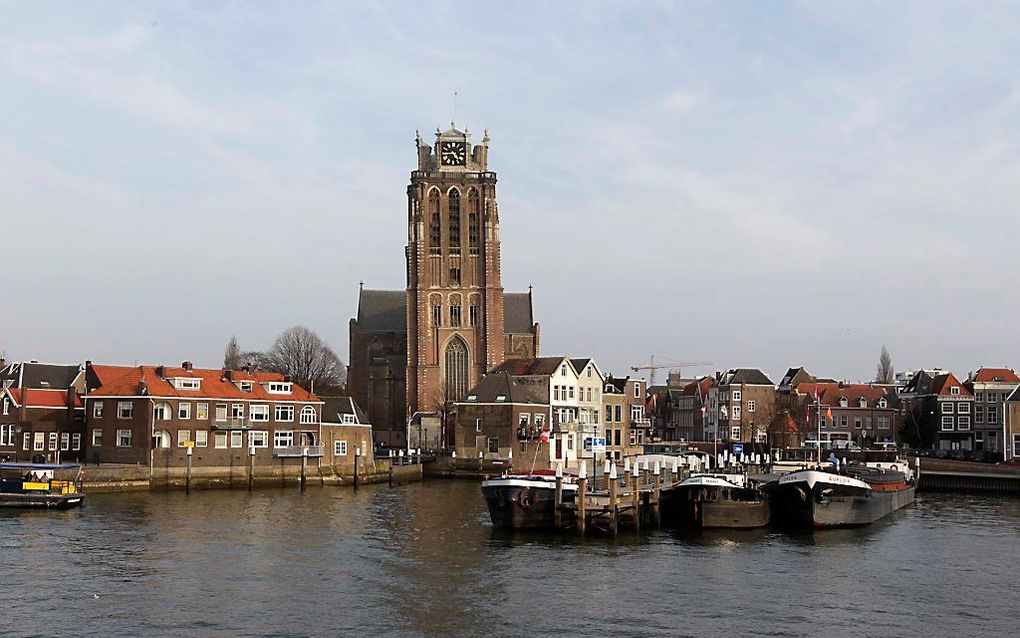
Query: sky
x=754, y=184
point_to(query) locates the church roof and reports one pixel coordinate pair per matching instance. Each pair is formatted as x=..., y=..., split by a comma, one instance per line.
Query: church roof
x=385, y=311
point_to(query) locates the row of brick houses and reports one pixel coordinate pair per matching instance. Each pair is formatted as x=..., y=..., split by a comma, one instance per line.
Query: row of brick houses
x=154, y=415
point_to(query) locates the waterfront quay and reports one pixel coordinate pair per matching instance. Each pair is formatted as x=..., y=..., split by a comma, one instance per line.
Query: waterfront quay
x=421, y=560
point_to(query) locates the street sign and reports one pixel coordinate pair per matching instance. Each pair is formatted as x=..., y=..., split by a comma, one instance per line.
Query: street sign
x=594, y=444
x=738, y=449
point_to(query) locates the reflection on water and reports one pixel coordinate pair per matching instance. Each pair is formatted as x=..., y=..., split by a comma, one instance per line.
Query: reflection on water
x=422, y=560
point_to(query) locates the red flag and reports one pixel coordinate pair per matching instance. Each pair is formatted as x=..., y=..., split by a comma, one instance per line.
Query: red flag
x=544, y=436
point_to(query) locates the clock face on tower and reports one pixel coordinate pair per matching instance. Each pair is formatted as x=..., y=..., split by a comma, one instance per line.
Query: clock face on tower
x=453, y=153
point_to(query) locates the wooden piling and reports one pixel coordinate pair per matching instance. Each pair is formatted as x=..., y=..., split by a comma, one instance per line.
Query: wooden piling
x=251, y=470
x=357, y=455
x=304, y=467
x=614, y=509
x=558, y=500
x=187, y=481
x=656, y=494
x=635, y=497
x=582, y=484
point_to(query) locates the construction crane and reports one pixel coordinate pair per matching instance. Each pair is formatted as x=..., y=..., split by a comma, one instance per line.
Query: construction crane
x=673, y=364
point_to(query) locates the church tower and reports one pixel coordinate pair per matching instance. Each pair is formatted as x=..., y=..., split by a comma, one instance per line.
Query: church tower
x=455, y=329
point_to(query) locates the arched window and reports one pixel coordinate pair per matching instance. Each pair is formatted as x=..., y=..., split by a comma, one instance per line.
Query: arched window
x=161, y=411
x=161, y=439
x=474, y=230
x=434, y=228
x=457, y=369
x=454, y=209
x=308, y=415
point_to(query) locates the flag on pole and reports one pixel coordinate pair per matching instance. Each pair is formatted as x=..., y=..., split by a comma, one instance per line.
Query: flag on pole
x=544, y=436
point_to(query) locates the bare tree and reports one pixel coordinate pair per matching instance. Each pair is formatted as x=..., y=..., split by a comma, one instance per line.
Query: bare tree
x=885, y=372
x=306, y=358
x=232, y=355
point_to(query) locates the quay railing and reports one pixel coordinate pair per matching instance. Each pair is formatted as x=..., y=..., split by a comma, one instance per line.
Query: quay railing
x=297, y=451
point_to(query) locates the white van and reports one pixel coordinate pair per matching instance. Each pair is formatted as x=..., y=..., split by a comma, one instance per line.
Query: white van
x=844, y=444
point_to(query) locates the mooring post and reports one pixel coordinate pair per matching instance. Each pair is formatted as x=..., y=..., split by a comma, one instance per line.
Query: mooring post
x=187, y=481
x=304, y=466
x=582, y=481
x=613, y=509
x=251, y=467
x=558, y=498
x=635, y=484
x=480, y=457
x=656, y=493
x=357, y=455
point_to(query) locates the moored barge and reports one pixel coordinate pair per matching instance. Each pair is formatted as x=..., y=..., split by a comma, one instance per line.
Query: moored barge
x=708, y=501
x=526, y=500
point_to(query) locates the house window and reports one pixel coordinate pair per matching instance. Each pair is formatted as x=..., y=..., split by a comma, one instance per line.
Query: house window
x=571, y=391
x=539, y=421
x=857, y=423
x=220, y=440
x=125, y=410
x=636, y=413
x=279, y=388
x=27, y=443
x=493, y=445
x=947, y=424
x=844, y=421
x=348, y=419
x=259, y=413
x=183, y=436
x=236, y=438
x=187, y=384
x=750, y=406
x=993, y=414
x=65, y=441
x=97, y=438
x=161, y=412
x=963, y=408
x=979, y=414
x=963, y=423
x=478, y=425
x=619, y=413
x=736, y=413
x=882, y=403
x=184, y=411
x=556, y=393
x=7, y=406
x=563, y=370
x=979, y=397
x=735, y=433
x=609, y=413
x=736, y=395
x=6, y=435
x=75, y=441
x=843, y=402
x=284, y=413
x=863, y=403
x=258, y=438
x=53, y=441
x=947, y=408
x=39, y=441
x=202, y=411
x=221, y=413
x=455, y=315
x=1016, y=445
x=123, y=438
x=97, y=409
x=245, y=386
x=616, y=437
x=283, y=438
x=339, y=448
x=308, y=415
x=201, y=438
x=237, y=411
x=955, y=390
x=637, y=390
x=883, y=423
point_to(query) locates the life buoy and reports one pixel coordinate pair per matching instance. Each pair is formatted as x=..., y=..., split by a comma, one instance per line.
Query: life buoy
x=524, y=497
x=893, y=467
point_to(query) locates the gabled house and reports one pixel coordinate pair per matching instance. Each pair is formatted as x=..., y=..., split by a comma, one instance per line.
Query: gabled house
x=743, y=400
x=502, y=418
x=345, y=433
x=41, y=415
x=856, y=412
x=991, y=388
x=938, y=411
x=627, y=427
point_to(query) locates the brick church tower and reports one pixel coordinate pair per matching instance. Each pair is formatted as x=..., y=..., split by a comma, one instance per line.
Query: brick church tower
x=413, y=350
x=454, y=294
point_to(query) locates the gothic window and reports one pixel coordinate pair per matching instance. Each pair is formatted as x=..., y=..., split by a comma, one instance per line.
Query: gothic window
x=456, y=369
x=473, y=313
x=455, y=313
x=474, y=234
x=454, y=206
x=437, y=315
x=434, y=229
x=455, y=276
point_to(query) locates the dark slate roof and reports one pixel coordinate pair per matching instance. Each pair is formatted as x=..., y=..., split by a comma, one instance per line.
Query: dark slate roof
x=542, y=366
x=502, y=384
x=517, y=313
x=580, y=364
x=333, y=409
x=39, y=375
x=382, y=311
x=386, y=311
x=750, y=376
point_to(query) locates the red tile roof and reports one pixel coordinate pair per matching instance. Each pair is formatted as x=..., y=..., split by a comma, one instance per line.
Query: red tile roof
x=942, y=383
x=852, y=392
x=811, y=387
x=119, y=381
x=987, y=375
x=38, y=398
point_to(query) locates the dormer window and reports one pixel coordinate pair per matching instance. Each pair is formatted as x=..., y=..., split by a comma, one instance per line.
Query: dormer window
x=472, y=397
x=842, y=402
x=863, y=403
x=955, y=390
x=187, y=383
x=348, y=419
x=245, y=386
x=882, y=403
x=501, y=398
x=279, y=387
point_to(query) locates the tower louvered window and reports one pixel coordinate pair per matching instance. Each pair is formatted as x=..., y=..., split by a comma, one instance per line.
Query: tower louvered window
x=454, y=206
x=435, y=234
x=474, y=232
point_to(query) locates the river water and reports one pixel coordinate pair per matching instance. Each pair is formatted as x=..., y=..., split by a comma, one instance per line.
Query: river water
x=422, y=560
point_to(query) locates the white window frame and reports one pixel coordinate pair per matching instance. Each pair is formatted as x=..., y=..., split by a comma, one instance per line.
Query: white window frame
x=279, y=387
x=97, y=437
x=946, y=421
x=955, y=390
x=284, y=413
x=183, y=436
x=258, y=438
x=348, y=419
x=225, y=409
x=735, y=413
x=308, y=416
x=125, y=434
x=637, y=390
x=963, y=407
x=736, y=395
x=283, y=438
x=125, y=410
x=339, y=448
x=52, y=441
x=201, y=438
x=258, y=413
x=751, y=405
x=97, y=409
x=735, y=433
x=26, y=442
x=38, y=441
x=220, y=440
x=236, y=439
x=187, y=383
x=65, y=441
x=184, y=410
x=76, y=441
x=947, y=408
x=963, y=423
x=237, y=411
x=202, y=411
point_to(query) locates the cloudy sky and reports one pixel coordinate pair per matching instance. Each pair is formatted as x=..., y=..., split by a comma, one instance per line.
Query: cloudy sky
x=752, y=184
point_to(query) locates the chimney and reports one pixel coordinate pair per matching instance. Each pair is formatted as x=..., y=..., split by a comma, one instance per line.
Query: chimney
x=188, y=366
x=161, y=372
x=287, y=379
x=228, y=375
x=143, y=388
x=3, y=363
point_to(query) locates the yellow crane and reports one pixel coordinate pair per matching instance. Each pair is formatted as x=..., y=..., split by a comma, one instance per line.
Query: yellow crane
x=672, y=364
